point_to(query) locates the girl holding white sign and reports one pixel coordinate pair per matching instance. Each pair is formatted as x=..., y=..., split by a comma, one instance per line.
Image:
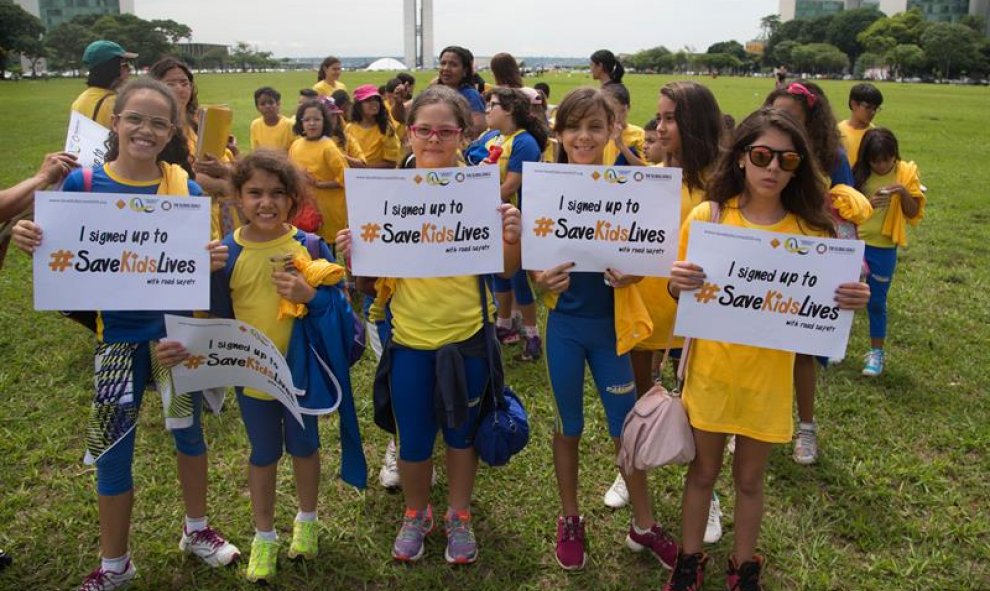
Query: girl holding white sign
x=689, y=133
x=582, y=327
x=769, y=180
x=145, y=133
x=438, y=333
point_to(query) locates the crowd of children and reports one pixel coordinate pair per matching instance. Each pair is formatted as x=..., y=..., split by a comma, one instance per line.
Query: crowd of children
x=788, y=167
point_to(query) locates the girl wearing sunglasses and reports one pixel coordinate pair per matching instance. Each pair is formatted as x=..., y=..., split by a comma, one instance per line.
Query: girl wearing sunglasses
x=807, y=103
x=768, y=180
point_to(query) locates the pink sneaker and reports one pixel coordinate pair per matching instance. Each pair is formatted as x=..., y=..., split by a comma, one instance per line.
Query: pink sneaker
x=657, y=541
x=745, y=576
x=570, y=542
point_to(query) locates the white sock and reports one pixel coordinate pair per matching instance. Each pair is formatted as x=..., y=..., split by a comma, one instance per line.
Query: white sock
x=531, y=331
x=305, y=516
x=807, y=426
x=640, y=531
x=194, y=525
x=115, y=565
x=267, y=536
x=503, y=322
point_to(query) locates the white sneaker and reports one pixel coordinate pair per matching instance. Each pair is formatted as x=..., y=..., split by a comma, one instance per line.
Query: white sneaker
x=106, y=580
x=617, y=495
x=209, y=546
x=713, y=530
x=806, y=445
x=389, y=474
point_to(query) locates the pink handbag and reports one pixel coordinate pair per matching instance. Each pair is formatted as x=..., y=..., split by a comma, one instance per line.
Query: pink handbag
x=656, y=432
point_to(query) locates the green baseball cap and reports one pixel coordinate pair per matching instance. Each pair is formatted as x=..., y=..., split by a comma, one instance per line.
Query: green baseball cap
x=101, y=51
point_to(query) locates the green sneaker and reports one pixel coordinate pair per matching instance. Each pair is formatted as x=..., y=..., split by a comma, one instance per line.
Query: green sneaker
x=261, y=566
x=305, y=541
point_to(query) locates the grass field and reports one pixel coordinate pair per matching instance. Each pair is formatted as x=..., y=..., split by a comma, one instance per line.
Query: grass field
x=899, y=499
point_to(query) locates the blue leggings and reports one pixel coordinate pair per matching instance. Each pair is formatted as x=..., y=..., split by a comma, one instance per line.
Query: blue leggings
x=571, y=341
x=882, y=262
x=519, y=284
x=114, y=469
x=413, y=378
x=270, y=427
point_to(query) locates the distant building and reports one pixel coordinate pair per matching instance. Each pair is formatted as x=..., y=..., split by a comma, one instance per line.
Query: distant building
x=55, y=12
x=933, y=10
x=417, y=34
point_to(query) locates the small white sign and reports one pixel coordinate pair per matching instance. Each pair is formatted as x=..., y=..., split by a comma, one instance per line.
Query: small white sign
x=225, y=352
x=599, y=217
x=421, y=222
x=103, y=251
x=87, y=140
x=769, y=290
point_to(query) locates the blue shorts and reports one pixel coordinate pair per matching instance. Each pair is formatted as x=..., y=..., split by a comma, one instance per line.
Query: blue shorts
x=270, y=427
x=570, y=342
x=413, y=378
x=518, y=284
x=114, y=469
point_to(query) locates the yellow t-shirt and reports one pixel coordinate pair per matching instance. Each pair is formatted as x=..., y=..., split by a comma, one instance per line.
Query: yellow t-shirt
x=432, y=312
x=354, y=149
x=253, y=294
x=324, y=88
x=324, y=161
x=653, y=290
x=279, y=136
x=870, y=230
x=375, y=145
x=851, y=138
x=633, y=136
x=85, y=104
x=733, y=388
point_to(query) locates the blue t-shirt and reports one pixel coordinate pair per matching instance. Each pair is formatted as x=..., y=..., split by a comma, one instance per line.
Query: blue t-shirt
x=587, y=296
x=129, y=326
x=473, y=97
x=478, y=150
x=841, y=173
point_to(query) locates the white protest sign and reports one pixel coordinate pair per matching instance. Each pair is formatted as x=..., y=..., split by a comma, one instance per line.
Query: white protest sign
x=230, y=353
x=769, y=290
x=622, y=218
x=105, y=251
x=87, y=140
x=424, y=222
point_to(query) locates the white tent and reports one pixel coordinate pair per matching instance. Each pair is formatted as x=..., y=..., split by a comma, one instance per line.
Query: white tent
x=386, y=64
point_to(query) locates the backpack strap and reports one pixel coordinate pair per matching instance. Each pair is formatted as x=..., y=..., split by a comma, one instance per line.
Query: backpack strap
x=716, y=218
x=311, y=242
x=99, y=103
x=87, y=174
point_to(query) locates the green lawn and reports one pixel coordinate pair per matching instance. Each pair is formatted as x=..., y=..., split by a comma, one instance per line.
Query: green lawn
x=898, y=501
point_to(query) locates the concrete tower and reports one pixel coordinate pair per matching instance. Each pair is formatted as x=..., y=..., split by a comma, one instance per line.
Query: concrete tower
x=417, y=35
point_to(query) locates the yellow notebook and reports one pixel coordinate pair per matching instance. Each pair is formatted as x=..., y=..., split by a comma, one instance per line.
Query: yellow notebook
x=214, y=129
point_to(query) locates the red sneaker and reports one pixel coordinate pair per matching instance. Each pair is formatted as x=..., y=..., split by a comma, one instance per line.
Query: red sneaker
x=570, y=542
x=659, y=542
x=745, y=576
x=688, y=573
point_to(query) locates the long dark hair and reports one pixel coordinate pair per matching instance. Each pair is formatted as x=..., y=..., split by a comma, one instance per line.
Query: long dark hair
x=297, y=127
x=158, y=71
x=819, y=121
x=878, y=142
x=505, y=69
x=106, y=74
x=467, y=61
x=804, y=195
x=382, y=120
x=176, y=151
x=607, y=60
x=516, y=104
x=576, y=106
x=700, y=125
x=327, y=61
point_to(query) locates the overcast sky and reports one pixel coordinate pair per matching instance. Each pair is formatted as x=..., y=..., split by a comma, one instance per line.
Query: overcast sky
x=561, y=28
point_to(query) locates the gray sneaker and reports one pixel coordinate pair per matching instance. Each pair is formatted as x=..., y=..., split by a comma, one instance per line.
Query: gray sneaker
x=461, y=545
x=416, y=525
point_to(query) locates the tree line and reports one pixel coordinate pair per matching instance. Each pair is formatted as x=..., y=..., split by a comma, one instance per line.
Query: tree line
x=851, y=41
x=62, y=47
